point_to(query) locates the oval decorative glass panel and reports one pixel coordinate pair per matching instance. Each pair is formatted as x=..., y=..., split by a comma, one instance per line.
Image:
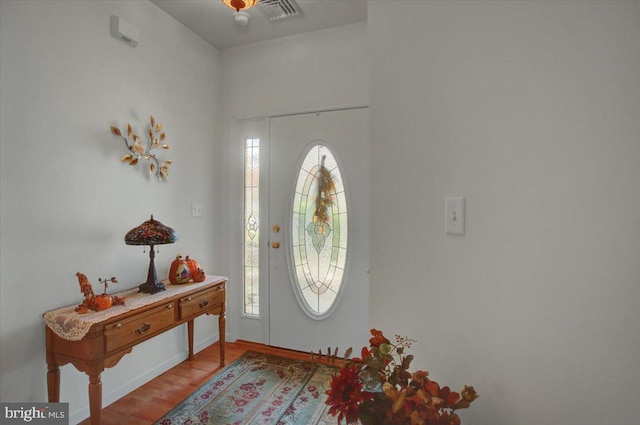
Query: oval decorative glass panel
x=319, y=230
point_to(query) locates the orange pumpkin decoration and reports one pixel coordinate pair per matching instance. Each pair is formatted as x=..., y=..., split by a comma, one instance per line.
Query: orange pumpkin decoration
x=179, y=271
x=199, y=275
x=193, y=265
x=103, y=301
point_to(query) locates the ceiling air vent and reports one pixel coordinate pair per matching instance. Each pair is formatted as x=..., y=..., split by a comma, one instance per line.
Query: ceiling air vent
x=276, y=10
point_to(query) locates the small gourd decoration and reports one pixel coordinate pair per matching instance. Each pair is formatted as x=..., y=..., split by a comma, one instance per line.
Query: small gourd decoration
x=104, y=301
x=199, y=275
x=179, y=271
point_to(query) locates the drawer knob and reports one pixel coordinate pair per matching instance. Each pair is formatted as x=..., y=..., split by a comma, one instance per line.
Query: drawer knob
x=188, y=298
x=204, y=303
x=170, y=306
x=143, y=328
x=118, y=325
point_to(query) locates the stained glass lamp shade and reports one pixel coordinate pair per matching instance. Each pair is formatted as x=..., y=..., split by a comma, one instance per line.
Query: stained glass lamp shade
x=151, y=233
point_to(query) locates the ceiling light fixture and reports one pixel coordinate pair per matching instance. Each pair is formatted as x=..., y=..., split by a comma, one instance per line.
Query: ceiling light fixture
x=241, y=18
x=239, y=5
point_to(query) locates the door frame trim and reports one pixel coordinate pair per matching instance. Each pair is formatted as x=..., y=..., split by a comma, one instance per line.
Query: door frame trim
x=259, y=331
x=303, y=111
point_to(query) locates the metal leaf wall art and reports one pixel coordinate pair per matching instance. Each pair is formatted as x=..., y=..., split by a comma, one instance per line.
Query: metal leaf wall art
x=138, y=150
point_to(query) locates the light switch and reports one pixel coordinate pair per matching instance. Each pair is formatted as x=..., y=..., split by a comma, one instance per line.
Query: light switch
x=196, y=209
x=454, y=216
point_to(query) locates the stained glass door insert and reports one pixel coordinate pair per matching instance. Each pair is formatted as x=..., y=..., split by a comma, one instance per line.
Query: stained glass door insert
x=319, y=229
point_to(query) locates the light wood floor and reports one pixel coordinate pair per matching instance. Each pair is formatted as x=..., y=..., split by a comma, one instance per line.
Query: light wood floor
x=154, y=399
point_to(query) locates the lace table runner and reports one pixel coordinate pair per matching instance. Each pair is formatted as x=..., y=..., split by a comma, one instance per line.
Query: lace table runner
x=69, y=324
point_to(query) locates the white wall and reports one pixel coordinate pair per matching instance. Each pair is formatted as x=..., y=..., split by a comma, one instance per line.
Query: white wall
x=311, y=71
x=67, y=201
x=319, y=69
x=531, y=111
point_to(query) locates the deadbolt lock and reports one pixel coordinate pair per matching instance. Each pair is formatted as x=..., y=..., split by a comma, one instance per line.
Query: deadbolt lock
x=276, y=228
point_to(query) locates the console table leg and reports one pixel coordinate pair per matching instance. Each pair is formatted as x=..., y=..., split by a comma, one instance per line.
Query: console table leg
x=95, y=398
x=53, y=383
x=190, y=335
x=53, y=370
x=222, y=325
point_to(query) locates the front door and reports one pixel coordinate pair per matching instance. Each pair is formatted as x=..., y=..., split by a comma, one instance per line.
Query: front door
x=318, y=230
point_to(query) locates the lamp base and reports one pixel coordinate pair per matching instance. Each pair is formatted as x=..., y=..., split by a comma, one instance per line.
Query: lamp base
x=151, y=287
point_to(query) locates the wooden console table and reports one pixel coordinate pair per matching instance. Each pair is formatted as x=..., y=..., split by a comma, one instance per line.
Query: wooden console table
x=98, y=340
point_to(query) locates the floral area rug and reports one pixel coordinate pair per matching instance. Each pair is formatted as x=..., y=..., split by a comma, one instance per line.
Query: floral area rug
x=258, y=389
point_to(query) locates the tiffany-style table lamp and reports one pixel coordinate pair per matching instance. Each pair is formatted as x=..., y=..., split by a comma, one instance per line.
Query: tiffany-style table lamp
x=151, y=233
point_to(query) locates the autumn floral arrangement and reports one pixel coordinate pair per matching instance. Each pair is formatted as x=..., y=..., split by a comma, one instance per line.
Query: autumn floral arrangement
x=378, y=389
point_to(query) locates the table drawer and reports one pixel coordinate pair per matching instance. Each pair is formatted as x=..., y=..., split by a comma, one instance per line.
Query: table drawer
x=192, y=305
x=135, y=329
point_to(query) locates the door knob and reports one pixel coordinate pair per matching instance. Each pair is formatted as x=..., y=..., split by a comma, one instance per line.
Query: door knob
x=275, y=245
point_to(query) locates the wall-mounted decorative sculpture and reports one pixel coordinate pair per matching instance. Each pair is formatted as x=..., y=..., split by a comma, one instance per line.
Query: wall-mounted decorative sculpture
x=143, y=151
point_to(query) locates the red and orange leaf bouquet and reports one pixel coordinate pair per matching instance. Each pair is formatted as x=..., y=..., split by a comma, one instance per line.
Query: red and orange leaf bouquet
x=378, y=389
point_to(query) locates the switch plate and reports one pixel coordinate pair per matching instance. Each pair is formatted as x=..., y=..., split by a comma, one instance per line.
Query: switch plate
x=196, y=209
x=454, y=216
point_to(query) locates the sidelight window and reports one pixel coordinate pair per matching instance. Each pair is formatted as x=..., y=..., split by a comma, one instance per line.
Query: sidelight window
x=251, y=227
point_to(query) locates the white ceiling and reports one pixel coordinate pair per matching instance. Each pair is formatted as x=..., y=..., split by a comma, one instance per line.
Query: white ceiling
x=213, y=21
